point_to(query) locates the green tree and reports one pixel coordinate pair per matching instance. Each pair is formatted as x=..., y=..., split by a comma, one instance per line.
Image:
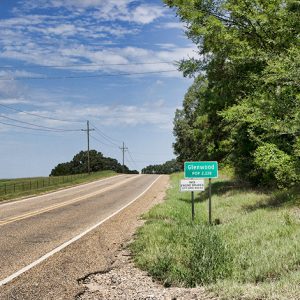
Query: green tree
x=98, y=162
x=80, y=162
x=62, y=169
x=168, y=167
x=245, y=104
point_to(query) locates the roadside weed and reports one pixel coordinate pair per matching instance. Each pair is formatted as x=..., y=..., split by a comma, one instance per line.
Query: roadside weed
x=253, y=252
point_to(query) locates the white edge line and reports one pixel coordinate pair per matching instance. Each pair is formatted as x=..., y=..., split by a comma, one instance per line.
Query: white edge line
x=50, y=193
x=74, y=239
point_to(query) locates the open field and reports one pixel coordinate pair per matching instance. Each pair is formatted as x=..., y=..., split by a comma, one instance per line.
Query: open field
x=253, y=252
x=20, y=187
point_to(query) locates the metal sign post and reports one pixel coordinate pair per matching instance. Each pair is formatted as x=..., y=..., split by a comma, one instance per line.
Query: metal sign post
x=209, y=201
x=192, y=185
x=200, y=169
x=193, y=206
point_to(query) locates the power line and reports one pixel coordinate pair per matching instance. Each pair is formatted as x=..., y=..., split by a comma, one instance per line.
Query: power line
x=39, y=116
x=111, y=143
x=106, y=137
x=147, y=161
x=129, y=163
x=102, y=143
x=44, y=46
x=25, y=127
x=74, y=41
x=135, y=165
x=39, y=126
x=124, y=149
x=88, y=65
x=149, y=154
x=86, y=76
x=94, y=138
x=88, y=130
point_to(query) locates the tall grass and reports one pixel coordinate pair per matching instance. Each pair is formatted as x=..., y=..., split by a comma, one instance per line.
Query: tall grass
x=254, y=252
x=181, y=256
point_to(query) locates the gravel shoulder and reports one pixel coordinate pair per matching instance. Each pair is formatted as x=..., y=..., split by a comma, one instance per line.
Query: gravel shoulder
x=126, y=282
x=75, y=272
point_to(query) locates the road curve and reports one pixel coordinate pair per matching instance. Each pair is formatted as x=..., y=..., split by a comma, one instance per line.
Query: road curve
x=35, y=226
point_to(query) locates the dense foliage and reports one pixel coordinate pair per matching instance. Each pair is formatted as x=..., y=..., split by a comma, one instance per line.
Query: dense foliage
x=168, y=167
x=98, y=162
x=244, y=105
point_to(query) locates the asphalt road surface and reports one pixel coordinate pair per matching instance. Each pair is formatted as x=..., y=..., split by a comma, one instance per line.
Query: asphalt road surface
x=35, y=226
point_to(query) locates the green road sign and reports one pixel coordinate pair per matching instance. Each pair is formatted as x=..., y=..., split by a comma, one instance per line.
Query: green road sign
x=201, y=169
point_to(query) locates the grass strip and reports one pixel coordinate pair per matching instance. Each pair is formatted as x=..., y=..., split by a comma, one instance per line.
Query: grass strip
x=253, y=252
x=18, y=188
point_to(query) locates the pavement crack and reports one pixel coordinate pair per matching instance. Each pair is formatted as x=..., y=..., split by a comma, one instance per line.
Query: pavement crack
x=86, y=278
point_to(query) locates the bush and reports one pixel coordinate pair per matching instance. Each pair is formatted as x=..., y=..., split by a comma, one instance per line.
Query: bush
x=186, y=255
x=276, y=164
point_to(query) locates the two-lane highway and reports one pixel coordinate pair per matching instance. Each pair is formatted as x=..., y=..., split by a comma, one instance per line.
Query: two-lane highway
x=34, y=227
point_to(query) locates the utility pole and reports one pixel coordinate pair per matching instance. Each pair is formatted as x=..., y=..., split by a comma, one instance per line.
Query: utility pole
x=88, y=143
x=123, y=148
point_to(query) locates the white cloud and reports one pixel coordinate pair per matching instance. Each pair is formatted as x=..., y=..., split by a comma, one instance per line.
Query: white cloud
x=71, y=4
x=173, y=25
x=155, y=114
x=46, y=29
x=128, y=115
x=146, y=14
x=22, y=21
x=108, y=60
x=11, y=74
x=64, y=29
x=166, y=46
x=11, y=89
x=11, y=101
x=53, y=104
x=78, y=35
x=156, y=104
x=106, y=10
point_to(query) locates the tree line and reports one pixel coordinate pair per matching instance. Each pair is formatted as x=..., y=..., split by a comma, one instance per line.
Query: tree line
x=168, y=167
x=243, y=108
x=98, y=162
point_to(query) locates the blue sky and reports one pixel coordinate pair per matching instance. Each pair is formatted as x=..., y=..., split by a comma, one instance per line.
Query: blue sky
x=62, y=62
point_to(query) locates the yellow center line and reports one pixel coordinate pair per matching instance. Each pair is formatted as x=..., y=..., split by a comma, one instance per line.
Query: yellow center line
x=58, y=205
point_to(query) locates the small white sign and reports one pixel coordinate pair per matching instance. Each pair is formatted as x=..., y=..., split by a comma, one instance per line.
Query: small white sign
x=191, y=185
